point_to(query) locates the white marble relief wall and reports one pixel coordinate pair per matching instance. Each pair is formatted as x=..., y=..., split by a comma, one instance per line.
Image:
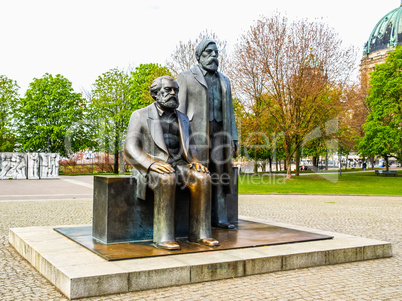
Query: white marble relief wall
x=29, y=165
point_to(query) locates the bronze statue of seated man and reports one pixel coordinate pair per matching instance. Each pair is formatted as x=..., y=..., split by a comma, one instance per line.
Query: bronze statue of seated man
x=160, y=147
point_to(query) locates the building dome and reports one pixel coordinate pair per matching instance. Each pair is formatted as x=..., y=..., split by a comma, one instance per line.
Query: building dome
x=387, y=33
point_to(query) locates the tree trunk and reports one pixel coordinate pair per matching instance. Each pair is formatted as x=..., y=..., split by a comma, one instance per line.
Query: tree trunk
x=288, y=168
x=270, y=164
x=287, y=146
x=326, y=160
x=372, y=162
x=121, y=163
x=298, y=153
x=315, y=164
x=285, y=164
x=116, y=154
x=386, y=163
x=255, y=163
x=107, y=142
x=264, y=166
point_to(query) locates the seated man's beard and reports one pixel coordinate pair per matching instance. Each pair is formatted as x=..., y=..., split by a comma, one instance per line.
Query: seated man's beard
x=171, y=102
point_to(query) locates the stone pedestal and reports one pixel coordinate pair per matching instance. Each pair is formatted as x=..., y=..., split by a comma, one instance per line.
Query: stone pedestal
x=232, y=200
x=118, y=216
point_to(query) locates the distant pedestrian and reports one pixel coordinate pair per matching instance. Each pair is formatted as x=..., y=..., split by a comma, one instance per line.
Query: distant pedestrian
x=364, y=165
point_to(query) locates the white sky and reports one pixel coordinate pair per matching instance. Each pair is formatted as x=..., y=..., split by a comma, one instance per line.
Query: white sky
x=81, y=39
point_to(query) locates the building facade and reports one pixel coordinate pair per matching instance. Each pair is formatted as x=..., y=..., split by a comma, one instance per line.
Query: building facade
x=386, y=35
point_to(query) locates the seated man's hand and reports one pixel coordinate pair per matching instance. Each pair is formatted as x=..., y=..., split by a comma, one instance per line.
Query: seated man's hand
x=199, y=167
x=162, y=167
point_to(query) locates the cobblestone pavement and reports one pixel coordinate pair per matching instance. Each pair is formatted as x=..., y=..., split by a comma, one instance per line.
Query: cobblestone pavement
x=372, y=217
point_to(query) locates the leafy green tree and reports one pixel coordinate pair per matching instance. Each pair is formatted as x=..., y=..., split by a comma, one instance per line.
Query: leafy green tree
x=50, y=117
x=115, y=95
x=142, y=78
x=315, y=148
x=256, y=138
x=257, y=147
x=110, y=110
x=383, y=134
x=8, y=99
x=297, y=70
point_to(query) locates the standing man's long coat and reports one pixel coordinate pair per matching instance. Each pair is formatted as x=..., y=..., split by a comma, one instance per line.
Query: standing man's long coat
x=193, y=101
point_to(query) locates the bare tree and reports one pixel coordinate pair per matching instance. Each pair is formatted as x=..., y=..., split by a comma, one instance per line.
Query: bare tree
x=355, y=111
x=355, y=106
x=291, y=72
x=183, y=57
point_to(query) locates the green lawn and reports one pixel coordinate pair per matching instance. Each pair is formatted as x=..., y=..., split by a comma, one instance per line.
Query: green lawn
x=348, y=183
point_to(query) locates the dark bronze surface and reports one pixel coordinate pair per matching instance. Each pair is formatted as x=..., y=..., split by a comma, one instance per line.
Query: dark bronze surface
x=232, y=199
x=161, y=147
x=205, y=97
x=118, y=216
x=249, y=234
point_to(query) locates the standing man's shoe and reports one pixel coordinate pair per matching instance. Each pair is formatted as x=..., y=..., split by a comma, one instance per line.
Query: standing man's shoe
x=224, y=226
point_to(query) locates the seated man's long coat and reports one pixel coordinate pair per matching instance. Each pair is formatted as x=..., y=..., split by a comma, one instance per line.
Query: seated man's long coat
x=145, y=144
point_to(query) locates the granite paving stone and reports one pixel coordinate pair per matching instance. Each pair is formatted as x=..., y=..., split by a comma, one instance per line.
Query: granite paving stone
x=377, y=217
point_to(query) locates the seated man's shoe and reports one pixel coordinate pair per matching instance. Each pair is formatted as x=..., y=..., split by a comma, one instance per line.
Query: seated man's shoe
x=168, y=245
x=224, y=226
x=209, y=242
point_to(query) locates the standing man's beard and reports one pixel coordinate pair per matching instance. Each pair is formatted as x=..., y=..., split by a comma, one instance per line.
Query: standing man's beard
x=169, y=103
x=210, y=64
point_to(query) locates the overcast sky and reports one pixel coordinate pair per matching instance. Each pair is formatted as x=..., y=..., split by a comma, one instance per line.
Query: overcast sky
x=82, y=39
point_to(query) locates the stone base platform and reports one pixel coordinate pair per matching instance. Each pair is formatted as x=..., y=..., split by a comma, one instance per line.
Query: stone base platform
x=78, y=272
x=248, y=234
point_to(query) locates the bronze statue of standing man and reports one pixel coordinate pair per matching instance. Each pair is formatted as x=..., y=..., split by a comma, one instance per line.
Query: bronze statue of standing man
x=205, y=97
